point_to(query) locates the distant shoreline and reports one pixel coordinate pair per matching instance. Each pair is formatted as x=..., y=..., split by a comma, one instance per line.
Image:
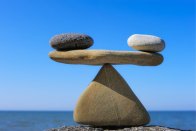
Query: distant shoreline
x=48, y=119
x=72, y=111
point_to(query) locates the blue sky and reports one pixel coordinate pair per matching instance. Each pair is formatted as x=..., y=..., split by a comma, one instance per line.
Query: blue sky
x=29, y=80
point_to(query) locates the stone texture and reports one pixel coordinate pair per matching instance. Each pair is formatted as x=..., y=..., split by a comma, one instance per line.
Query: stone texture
x=146, y=43
x=109, y=101
x=140, y=128
x=100, y=57
x=71, y=41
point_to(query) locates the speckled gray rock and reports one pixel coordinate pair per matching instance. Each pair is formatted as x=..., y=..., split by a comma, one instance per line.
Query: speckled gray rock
x=146, y=43
x=140, y=128
x=71, y=41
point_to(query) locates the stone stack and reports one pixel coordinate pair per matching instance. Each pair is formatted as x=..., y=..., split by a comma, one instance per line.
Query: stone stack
x=108, y=100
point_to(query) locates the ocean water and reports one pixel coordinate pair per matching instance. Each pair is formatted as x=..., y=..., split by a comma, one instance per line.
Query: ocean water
x=42, y=120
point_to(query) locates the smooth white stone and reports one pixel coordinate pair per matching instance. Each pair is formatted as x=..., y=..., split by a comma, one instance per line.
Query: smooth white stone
x=146, y=43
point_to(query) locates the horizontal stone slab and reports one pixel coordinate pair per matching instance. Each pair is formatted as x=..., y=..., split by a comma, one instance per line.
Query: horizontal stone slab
x=100, y=57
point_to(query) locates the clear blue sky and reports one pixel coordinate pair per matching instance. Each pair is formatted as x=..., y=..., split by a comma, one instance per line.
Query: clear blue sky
x=29, y=80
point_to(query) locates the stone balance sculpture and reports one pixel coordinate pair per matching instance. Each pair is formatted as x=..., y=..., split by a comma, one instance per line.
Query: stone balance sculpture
x=108, y=100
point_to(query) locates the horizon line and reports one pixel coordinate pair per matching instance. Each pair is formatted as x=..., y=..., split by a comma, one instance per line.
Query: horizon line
x=73, y=110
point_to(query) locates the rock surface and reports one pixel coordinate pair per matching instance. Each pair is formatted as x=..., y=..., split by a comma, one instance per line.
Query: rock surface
x=146, y=43
x=109, y=101
x=100, y=57
x=71, y=41
x=140, y=128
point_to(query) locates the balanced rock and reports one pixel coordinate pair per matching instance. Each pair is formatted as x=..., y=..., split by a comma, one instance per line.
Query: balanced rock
x=100, y=57
x=146, y=43
x=109, y=101
x=71, y=41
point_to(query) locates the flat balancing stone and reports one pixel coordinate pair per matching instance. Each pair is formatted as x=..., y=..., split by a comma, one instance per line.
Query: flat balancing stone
x=100, y=57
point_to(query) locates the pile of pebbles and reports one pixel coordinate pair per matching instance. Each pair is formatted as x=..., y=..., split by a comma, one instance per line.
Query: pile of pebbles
x=140, y=128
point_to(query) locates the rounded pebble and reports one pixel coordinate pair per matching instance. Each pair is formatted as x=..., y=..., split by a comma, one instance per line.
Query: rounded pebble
x=147, y=43
x=72, y=41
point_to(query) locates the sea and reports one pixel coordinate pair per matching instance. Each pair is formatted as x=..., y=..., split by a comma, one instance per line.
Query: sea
x=43, y=120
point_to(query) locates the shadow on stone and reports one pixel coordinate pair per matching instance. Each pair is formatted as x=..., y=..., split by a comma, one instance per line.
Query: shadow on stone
x=109, y=101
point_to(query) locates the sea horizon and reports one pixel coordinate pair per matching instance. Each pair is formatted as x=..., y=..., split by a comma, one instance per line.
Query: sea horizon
x=105, y=63
x=34, y=120
x=73, y=110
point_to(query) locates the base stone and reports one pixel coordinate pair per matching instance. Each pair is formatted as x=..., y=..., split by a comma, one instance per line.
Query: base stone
x=140, y=128
x=109, y=101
